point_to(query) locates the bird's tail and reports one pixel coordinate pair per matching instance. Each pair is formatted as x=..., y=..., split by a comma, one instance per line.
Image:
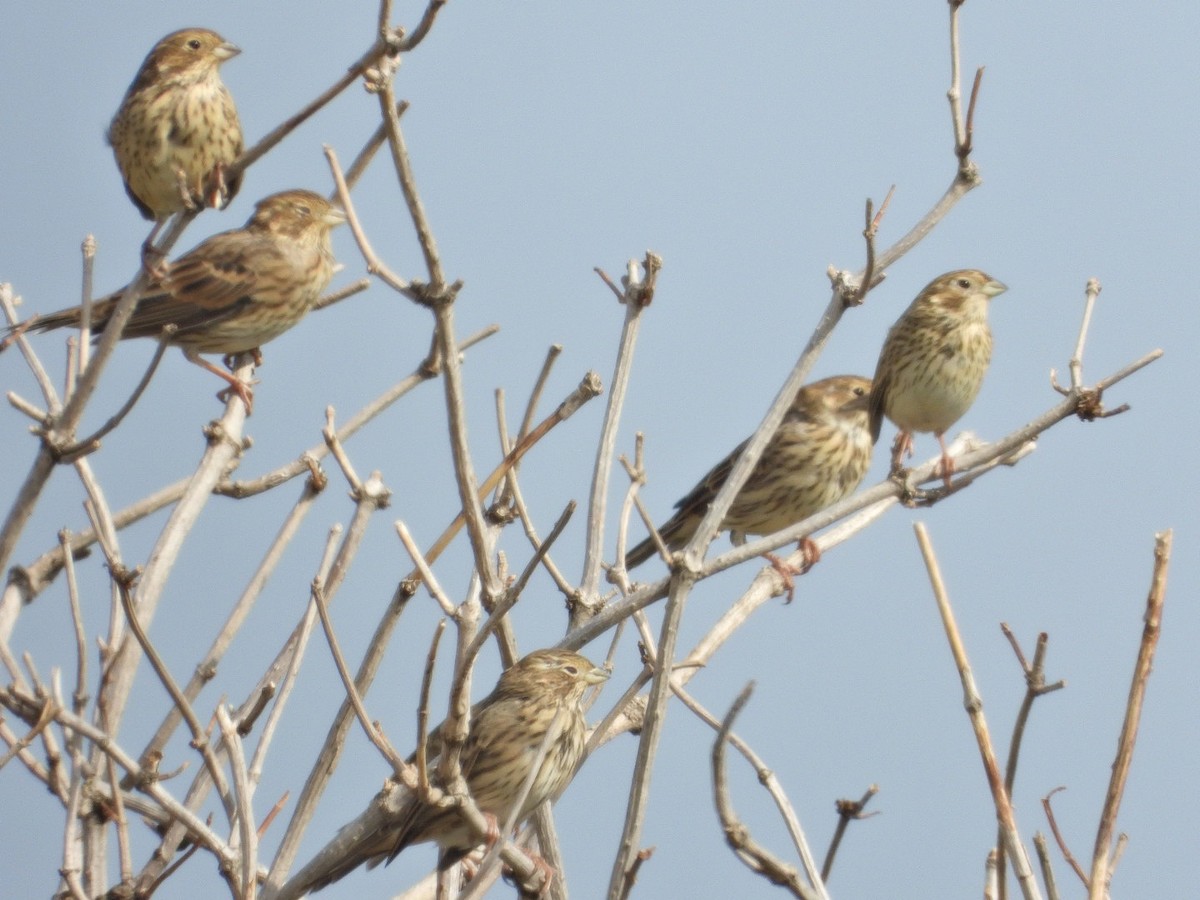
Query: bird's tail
x=677, y=531
x=69, y=318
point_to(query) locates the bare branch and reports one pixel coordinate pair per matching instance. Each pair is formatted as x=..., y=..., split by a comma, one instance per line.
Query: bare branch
x=974, y=705
x=756, y=857
x=639, y=289
x=373, y=731
x=1101, y=861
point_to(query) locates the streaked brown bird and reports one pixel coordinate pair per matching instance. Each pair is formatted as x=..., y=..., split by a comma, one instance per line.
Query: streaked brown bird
x=235, y=291
x=177, y=130
x=535, y=704
x=820, y=453
x=177, y=127
x=933, y=361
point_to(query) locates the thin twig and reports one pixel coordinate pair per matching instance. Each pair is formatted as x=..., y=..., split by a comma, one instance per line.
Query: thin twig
x=374, y=265
x=426, y=573
x=1101, y=862
x=374, y=733
x=1035, y=686
x=848, y=811
x=199, y=737
x=974, y=706
x=91, y=443
x=1059, y=839
x=767, y=779
x=756, y=857
x=207, y=667
x=422, y=755
x=243, y=791
x=1043, y=855
x=639, y=290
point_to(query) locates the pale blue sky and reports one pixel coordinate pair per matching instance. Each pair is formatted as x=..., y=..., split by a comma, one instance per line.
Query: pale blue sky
x=739, y=142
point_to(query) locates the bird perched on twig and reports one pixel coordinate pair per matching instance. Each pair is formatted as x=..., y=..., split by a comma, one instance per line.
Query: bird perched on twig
x=820, y=453
x=535, y=704
x=177, y=129
x=933, y=361
x=235, y=291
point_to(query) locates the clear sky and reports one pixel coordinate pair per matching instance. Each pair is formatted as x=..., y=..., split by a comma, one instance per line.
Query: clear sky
x=739, y=142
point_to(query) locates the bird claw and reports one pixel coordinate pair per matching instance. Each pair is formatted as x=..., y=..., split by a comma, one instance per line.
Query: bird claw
x=186, y=195
x=244, y=392
x=154, y=261
x=546, y=870
x=946, y=466
x=218, y=190
x=811, y=556
x=902, y=447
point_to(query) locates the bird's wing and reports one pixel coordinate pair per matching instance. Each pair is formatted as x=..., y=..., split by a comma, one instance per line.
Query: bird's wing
x=878, y=402
x=211, y=283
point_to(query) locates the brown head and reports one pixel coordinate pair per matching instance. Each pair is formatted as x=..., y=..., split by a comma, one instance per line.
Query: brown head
x=562, y=673
x=841, y=398
x=299, y=215
x=965, y=291
x=192, y=53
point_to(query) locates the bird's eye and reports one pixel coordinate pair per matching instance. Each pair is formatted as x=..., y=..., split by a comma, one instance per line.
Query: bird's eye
x=858, y=392
x=571, y=670
x=963, y=283
x=193, y=44
x=304, y=210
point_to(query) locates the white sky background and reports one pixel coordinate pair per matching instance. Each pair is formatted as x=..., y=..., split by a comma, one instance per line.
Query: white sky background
x=739, y=142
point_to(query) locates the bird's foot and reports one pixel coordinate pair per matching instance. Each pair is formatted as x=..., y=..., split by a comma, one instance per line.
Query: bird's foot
x=186, y=195
x=946, y=466
x=218, y=191
x=546, y=871
x=902, y=447
x=244, y=392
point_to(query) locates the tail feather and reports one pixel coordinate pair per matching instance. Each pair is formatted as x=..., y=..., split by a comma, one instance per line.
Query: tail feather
x=676, y=532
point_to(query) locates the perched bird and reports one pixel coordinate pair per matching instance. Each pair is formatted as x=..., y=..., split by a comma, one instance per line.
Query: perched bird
x=177, y=129
x=235, y=291
x=536, y=703
x=820, y=453
x=933, y=361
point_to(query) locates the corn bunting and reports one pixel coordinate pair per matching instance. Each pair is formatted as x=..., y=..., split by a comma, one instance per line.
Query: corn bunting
x=820, y=453
x=177, y=130
x=536, y=703
x=235, y=291
x=933, y=361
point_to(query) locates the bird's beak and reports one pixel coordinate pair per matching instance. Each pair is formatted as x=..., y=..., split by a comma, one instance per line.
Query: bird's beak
x=994, y=287
x=227, y=51
x=334, y=217
x=596, y=676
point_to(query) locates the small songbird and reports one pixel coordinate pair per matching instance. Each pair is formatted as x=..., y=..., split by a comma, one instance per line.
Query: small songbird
x=933, y=361
x=535, y=704
x=820, y=453
x=235, y=291
x=177, y=130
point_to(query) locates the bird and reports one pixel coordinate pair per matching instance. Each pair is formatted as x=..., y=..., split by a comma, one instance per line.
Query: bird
x=236, y=290
x=933, y=361
x=536, y=703
x=820, y=454
x=177, y=131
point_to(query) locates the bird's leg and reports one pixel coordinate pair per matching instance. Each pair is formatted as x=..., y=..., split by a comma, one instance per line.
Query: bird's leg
x=185, y=190
x=946, y=466
x=811, y=556
x=153, y=259
x=218, y=191
x=242, y=390
x=230, y=359
x=542, y=866
x=901, y=447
